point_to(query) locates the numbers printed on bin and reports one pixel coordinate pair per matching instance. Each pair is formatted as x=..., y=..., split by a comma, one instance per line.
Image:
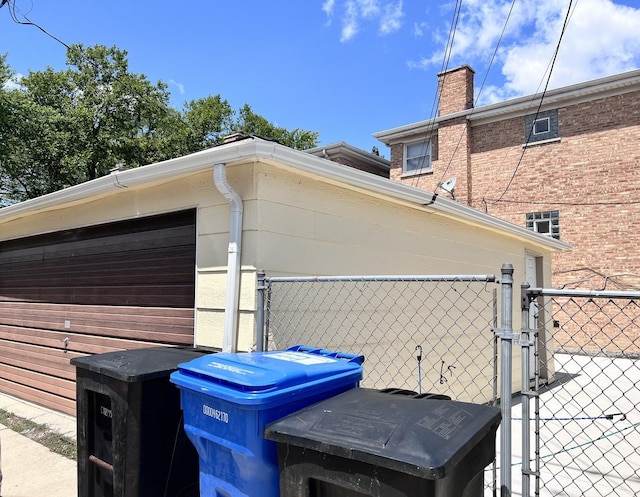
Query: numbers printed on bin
x=301, y=358
x=216, y=414
x=231, y=369
x=106, y=412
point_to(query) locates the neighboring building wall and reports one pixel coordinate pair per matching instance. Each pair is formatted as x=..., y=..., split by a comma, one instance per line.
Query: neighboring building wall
x=589, y=175
x=591, y=171
x=455, y=90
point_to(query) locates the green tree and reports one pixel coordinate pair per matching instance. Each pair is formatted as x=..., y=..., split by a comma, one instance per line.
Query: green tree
x=250, y=123
x=60, y=128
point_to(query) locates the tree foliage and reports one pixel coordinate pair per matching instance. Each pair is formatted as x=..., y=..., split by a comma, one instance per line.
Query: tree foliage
x=61, y=128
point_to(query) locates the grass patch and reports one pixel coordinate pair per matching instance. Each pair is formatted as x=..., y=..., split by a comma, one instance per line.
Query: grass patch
x=42, y=434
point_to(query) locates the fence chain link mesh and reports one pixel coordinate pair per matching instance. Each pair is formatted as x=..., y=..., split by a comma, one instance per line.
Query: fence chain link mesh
x=587, y=418
x=417, y=333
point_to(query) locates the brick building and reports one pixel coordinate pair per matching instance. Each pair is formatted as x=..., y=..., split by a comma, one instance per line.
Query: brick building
x=565, y=163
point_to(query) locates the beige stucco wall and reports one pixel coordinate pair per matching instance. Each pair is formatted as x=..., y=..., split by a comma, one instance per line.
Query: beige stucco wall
x=295, y=224
x=309, y=227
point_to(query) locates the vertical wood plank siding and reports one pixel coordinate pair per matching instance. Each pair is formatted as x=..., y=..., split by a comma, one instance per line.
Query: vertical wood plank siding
x=123, y=285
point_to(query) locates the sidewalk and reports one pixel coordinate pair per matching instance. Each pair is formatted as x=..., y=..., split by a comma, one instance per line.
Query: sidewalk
x=28, y=468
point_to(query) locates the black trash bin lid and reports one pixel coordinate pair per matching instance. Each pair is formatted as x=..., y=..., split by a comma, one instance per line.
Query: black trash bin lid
x=138, y=364
x=418, y=436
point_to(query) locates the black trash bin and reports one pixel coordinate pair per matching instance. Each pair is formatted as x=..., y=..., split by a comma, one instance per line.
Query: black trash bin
x=375, y=443
x=131, y=439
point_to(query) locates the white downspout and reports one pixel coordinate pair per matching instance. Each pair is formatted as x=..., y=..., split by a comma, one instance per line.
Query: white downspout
x=230, y=337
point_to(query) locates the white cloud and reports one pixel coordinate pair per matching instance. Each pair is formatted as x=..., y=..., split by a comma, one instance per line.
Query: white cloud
x=180, y=86
x=601, y=39
x=327, y=7
x=388, y=15
x=368, y=8
x=391, y=18
x=349, y=22
x=418, y=29
x=13, y=83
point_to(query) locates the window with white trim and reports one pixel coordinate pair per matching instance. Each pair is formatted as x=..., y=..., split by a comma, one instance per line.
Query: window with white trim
x=541, y=126
x=545, y=223
x=417, y=157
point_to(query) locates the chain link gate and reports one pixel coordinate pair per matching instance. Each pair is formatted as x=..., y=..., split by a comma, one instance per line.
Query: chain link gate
x=436, y=334
x=586, y=421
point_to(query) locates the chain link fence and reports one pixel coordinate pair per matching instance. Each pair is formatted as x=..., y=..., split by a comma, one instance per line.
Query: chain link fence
x=422, y=333
x=580, y=396
x=585, y=422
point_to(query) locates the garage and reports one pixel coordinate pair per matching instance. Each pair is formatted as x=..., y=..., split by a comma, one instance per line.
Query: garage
x=94, y=289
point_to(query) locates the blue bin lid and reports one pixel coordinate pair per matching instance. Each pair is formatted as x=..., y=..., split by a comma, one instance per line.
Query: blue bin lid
x=261, y=373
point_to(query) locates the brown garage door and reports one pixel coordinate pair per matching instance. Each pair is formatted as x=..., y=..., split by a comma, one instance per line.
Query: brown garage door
x=91, y=290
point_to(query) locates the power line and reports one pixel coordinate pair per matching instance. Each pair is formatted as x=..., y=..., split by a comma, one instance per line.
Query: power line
x=495, y=52
x=426, y=143
x=553, y=61
x=13, y=12
x=160, y=106
x=551, y=202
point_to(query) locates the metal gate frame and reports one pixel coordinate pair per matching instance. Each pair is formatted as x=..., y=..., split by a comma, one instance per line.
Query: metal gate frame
x=504, y=332
x=600, y=299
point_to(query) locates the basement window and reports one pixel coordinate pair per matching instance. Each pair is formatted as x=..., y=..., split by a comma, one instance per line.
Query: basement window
x=546, y=223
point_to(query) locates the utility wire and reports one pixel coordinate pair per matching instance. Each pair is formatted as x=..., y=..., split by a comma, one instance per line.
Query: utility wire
x=553, y=61
x=541, y=202
x=14, y=12
x=426, y=143
x=493, y=57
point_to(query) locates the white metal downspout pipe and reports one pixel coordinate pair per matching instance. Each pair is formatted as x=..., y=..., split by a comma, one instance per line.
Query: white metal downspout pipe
x=231, y=310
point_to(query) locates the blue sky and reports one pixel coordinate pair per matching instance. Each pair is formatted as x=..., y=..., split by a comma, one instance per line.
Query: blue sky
x=344, y=68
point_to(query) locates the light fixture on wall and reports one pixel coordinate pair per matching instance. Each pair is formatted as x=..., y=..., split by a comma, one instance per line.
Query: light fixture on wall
x=449, y=186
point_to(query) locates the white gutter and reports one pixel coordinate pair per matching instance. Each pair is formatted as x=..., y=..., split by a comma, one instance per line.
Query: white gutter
x=231, y=309
x=569, y=95
x=280, y=156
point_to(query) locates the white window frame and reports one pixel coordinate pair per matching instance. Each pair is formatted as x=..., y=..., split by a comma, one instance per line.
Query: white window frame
x=417, y=163
x=537, y=223
x=547, y=220
x=542, y=119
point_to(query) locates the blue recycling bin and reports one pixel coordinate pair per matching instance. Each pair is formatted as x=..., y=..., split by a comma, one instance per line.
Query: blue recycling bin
x=228, y=399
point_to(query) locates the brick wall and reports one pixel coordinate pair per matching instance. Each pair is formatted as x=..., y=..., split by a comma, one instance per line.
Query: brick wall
x=590, y=174
x=455, y=90
x=595, y=162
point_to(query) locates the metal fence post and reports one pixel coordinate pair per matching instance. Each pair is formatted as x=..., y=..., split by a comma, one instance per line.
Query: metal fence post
x=526, y=374
x=506, y=335
x=260, y=326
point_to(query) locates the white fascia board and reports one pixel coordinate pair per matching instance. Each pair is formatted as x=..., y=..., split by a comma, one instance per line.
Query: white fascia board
x=560, y=97
x=390, y=136
x=280, y=156
x=382, y=187
x=349, y=151
x=113, y=182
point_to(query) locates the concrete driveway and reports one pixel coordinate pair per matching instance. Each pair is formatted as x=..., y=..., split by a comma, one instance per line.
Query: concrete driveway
x=589, y=430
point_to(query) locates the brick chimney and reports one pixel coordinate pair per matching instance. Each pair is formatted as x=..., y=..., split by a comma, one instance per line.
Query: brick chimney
x=455, y=90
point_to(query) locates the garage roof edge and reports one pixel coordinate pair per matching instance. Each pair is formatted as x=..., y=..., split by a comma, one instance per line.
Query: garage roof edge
x=254, y=149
